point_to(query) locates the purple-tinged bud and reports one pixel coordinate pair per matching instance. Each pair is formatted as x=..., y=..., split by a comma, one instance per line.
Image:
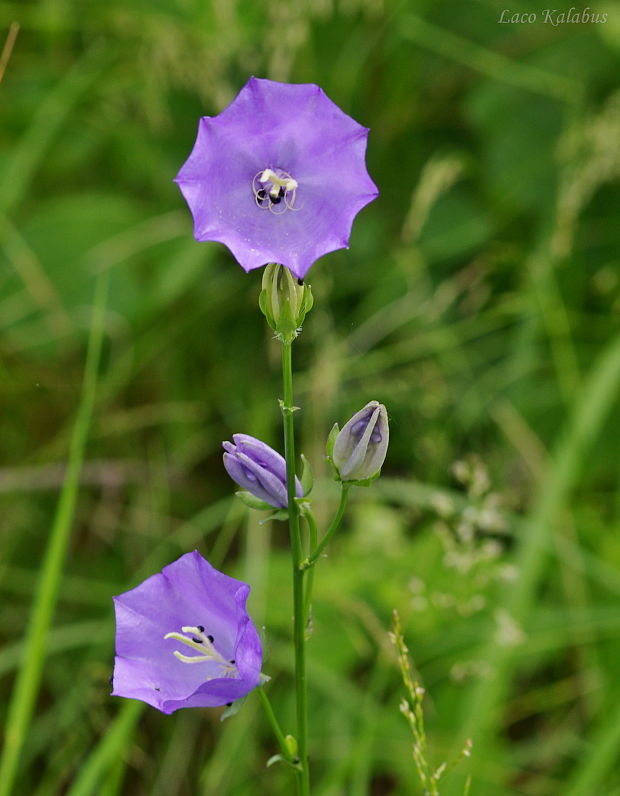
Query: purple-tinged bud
x=359, y=449
x=259, y=469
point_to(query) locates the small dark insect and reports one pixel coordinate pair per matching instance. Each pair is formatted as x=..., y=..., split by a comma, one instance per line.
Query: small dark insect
x=232, y=660
x=228, y=704
x=300, y=281
x=158, y=689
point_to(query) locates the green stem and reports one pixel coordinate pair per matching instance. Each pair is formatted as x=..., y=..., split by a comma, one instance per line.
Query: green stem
x=24, y=696
x=313, y=541
x=335, y=523
x=271, y=718
x=301, y=686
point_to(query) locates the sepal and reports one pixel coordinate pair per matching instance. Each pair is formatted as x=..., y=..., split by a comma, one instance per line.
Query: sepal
x=329, y=451
x=252, y=502
x=264, y=308
x=307, y=479
x=233, y=708
x=279, y=758
x=236, y=706
x=366, y=481
x=280, y=514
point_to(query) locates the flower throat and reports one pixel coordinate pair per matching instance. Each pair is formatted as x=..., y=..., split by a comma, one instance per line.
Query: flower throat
x=275, y=190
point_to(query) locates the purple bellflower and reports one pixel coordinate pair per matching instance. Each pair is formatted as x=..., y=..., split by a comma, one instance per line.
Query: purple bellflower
x=184, y=638
x=278, y=176
x=259, y=469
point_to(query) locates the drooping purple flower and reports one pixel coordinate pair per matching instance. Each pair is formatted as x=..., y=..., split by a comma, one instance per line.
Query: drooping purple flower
x=259, y=469
x=360, y=448
x=184, y=638
x=278, y=176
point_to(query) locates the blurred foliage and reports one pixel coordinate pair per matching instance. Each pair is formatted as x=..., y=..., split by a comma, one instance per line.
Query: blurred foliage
x=479, y=301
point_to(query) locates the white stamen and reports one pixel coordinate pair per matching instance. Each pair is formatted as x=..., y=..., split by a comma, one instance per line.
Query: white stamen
x=201, y=643
x=191, y=658
x=275, y=191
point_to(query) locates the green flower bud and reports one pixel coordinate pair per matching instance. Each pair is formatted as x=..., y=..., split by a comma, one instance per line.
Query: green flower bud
x=284, y=301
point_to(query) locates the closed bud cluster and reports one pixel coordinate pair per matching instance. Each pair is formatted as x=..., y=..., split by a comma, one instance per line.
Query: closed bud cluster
x=358, y=451
x=284, y=301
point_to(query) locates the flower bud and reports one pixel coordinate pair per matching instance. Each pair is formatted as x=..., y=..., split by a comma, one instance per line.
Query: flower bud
x=284, y=301
x=359, y=449
x=259, y=469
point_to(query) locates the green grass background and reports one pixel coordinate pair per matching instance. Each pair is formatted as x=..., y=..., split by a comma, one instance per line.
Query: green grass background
x=479, y=301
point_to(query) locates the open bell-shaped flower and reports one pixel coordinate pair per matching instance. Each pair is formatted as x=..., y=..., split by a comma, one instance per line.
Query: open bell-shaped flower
x=259, y=469
x=184, y=638
x=359, y=449
x=278, y=176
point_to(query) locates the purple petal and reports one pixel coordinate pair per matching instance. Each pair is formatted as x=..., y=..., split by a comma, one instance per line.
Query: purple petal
x=268, y=457
x=261, y=453
x=259, y=469
x=257, y=480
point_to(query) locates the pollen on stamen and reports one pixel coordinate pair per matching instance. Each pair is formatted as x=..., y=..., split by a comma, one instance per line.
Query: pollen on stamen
x=275, y=189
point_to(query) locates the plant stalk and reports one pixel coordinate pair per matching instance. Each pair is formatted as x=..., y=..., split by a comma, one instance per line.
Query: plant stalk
x=312, y=543
x=301, y=686
x=333, y=527
x=271, y=718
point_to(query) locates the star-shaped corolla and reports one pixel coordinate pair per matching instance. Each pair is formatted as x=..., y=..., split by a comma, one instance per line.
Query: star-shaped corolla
x=278, y=176
x=184, y=638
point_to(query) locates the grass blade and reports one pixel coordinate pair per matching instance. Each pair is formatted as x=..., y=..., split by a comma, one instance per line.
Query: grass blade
x=594, y=767
x=597, y=399
x=29, y=676
x=108, y=751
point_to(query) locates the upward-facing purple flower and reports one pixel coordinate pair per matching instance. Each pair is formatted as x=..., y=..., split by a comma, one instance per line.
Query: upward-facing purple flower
x=184, y=638
x=278, y=176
